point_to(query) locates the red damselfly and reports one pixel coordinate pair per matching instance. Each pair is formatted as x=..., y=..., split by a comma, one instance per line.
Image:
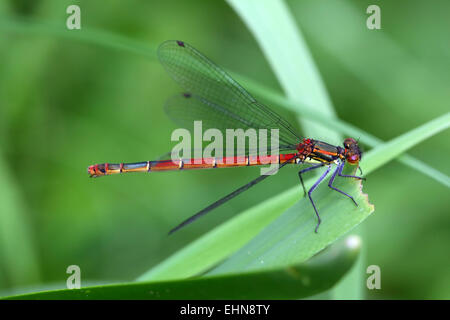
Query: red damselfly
x=220, y=102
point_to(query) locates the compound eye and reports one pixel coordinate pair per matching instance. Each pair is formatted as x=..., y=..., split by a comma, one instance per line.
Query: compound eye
x=348, y=142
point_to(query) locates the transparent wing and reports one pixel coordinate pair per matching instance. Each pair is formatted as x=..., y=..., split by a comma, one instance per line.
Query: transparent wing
x=214, y=97
x=185, y=108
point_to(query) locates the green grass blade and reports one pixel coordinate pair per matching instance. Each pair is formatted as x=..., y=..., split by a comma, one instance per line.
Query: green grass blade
x=286, y=51
x=291, y=239
x=93, y=36
x=282, y=43
x=293, y=282
x=392, y=149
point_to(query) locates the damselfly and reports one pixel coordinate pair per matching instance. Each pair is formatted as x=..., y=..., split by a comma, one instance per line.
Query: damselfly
x=220, y=102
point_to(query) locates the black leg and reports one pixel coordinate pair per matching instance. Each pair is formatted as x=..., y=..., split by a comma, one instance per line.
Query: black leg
x=312, y=189
x=306, y=170
x=330, y=183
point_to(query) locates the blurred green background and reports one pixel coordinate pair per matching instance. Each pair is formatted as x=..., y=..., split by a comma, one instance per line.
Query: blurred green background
x=66, y=104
